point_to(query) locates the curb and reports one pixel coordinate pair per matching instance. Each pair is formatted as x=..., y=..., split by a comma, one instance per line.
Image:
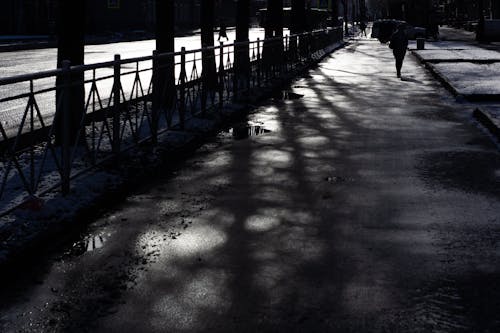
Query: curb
x=482, y=116
x=26, y=46
x=448, y=85
x=436, y=73
x=448, y=60
x=487, y=120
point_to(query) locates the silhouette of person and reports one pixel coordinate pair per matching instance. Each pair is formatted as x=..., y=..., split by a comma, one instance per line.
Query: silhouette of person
x=222, y=32
x=399, y=44
x=362, y=26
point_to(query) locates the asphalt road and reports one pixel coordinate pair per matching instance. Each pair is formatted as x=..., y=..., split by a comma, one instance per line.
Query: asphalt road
x=371, y=206
x=32, y=61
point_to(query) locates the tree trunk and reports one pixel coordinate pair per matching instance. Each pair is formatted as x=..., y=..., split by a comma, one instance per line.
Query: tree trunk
x=495, y=4
x=164, y=82
x=242, y=60
x=480, y=24
x=273, y=50
x=209, y=77
x=362, y=11
x=335, y=13
x=346, y=18
x=297, y=26
x=70, y=46
x=354, y=16
x=298, y=14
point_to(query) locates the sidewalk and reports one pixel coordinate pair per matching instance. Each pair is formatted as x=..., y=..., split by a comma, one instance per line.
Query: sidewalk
x=470, y=70
x=370, y=204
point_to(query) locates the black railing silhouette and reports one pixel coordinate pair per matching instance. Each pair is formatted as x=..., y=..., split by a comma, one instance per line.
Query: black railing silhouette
x=120, y=110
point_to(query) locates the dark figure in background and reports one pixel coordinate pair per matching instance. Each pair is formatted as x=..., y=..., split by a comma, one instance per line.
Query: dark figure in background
x=399, y=44
x=362, y=26
x=222, y=32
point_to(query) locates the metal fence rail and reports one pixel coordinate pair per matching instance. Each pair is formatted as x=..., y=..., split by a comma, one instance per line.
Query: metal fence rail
x=39, y=150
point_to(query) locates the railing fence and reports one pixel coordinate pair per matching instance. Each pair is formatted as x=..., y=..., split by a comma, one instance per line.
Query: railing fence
x=45, y=142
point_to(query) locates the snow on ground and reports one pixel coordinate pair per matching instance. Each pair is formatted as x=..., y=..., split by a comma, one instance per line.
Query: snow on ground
x=453, y=59
x=445, y=45
x=473, y=54
x=466, y=77
x=470, y=78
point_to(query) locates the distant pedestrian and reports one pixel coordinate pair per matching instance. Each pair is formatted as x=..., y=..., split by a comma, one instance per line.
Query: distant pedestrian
x=399, y=44
x=362, y=26
x=222, y=32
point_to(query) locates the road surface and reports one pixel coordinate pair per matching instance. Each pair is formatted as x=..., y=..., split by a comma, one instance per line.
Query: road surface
x=32, y=61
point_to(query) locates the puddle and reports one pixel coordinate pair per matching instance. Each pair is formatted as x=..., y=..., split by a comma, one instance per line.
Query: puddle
x=246, y=130
x=335, y=179
x=285, y=95
x=87, y=244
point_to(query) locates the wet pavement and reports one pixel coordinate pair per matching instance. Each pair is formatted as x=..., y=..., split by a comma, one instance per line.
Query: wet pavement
x=353, y=202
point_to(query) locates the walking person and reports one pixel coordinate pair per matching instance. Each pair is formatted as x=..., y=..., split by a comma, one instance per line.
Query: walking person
x=362, y=26
x=222, y=32
x=399, y=44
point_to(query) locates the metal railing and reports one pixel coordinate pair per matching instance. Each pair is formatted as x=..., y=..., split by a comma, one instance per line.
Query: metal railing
x=124, y=107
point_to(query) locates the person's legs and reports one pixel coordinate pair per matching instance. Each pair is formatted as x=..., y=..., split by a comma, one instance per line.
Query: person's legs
x=399, y=64
x=399, y=56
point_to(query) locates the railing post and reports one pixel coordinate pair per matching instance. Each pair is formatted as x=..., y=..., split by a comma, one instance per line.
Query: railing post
x=116, y=104
x=236, y=51
x=248, y=65
x=221, y=74
x=66, y=128
x=310, y=45
x=32, y=129
x=203, y=102
x=258, y=62
x=155, y=104
x=286, y=53
x=182, y=89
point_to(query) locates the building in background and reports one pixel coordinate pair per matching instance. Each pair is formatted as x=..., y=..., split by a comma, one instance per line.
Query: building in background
x=27, y=17
x=420, y=12
x=117, y=15
x=38, y=17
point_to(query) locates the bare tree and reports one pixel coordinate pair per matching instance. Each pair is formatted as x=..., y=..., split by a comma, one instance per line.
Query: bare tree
x=70, y=46
x=209, y=78
x=164, y=82
x=335, y=12
x=273, y=51
x=480, y=24
x=345, y=4
x=242, y=60
x=298, y=25
x=297, y=17
x=362, y=10
x=495, y=4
